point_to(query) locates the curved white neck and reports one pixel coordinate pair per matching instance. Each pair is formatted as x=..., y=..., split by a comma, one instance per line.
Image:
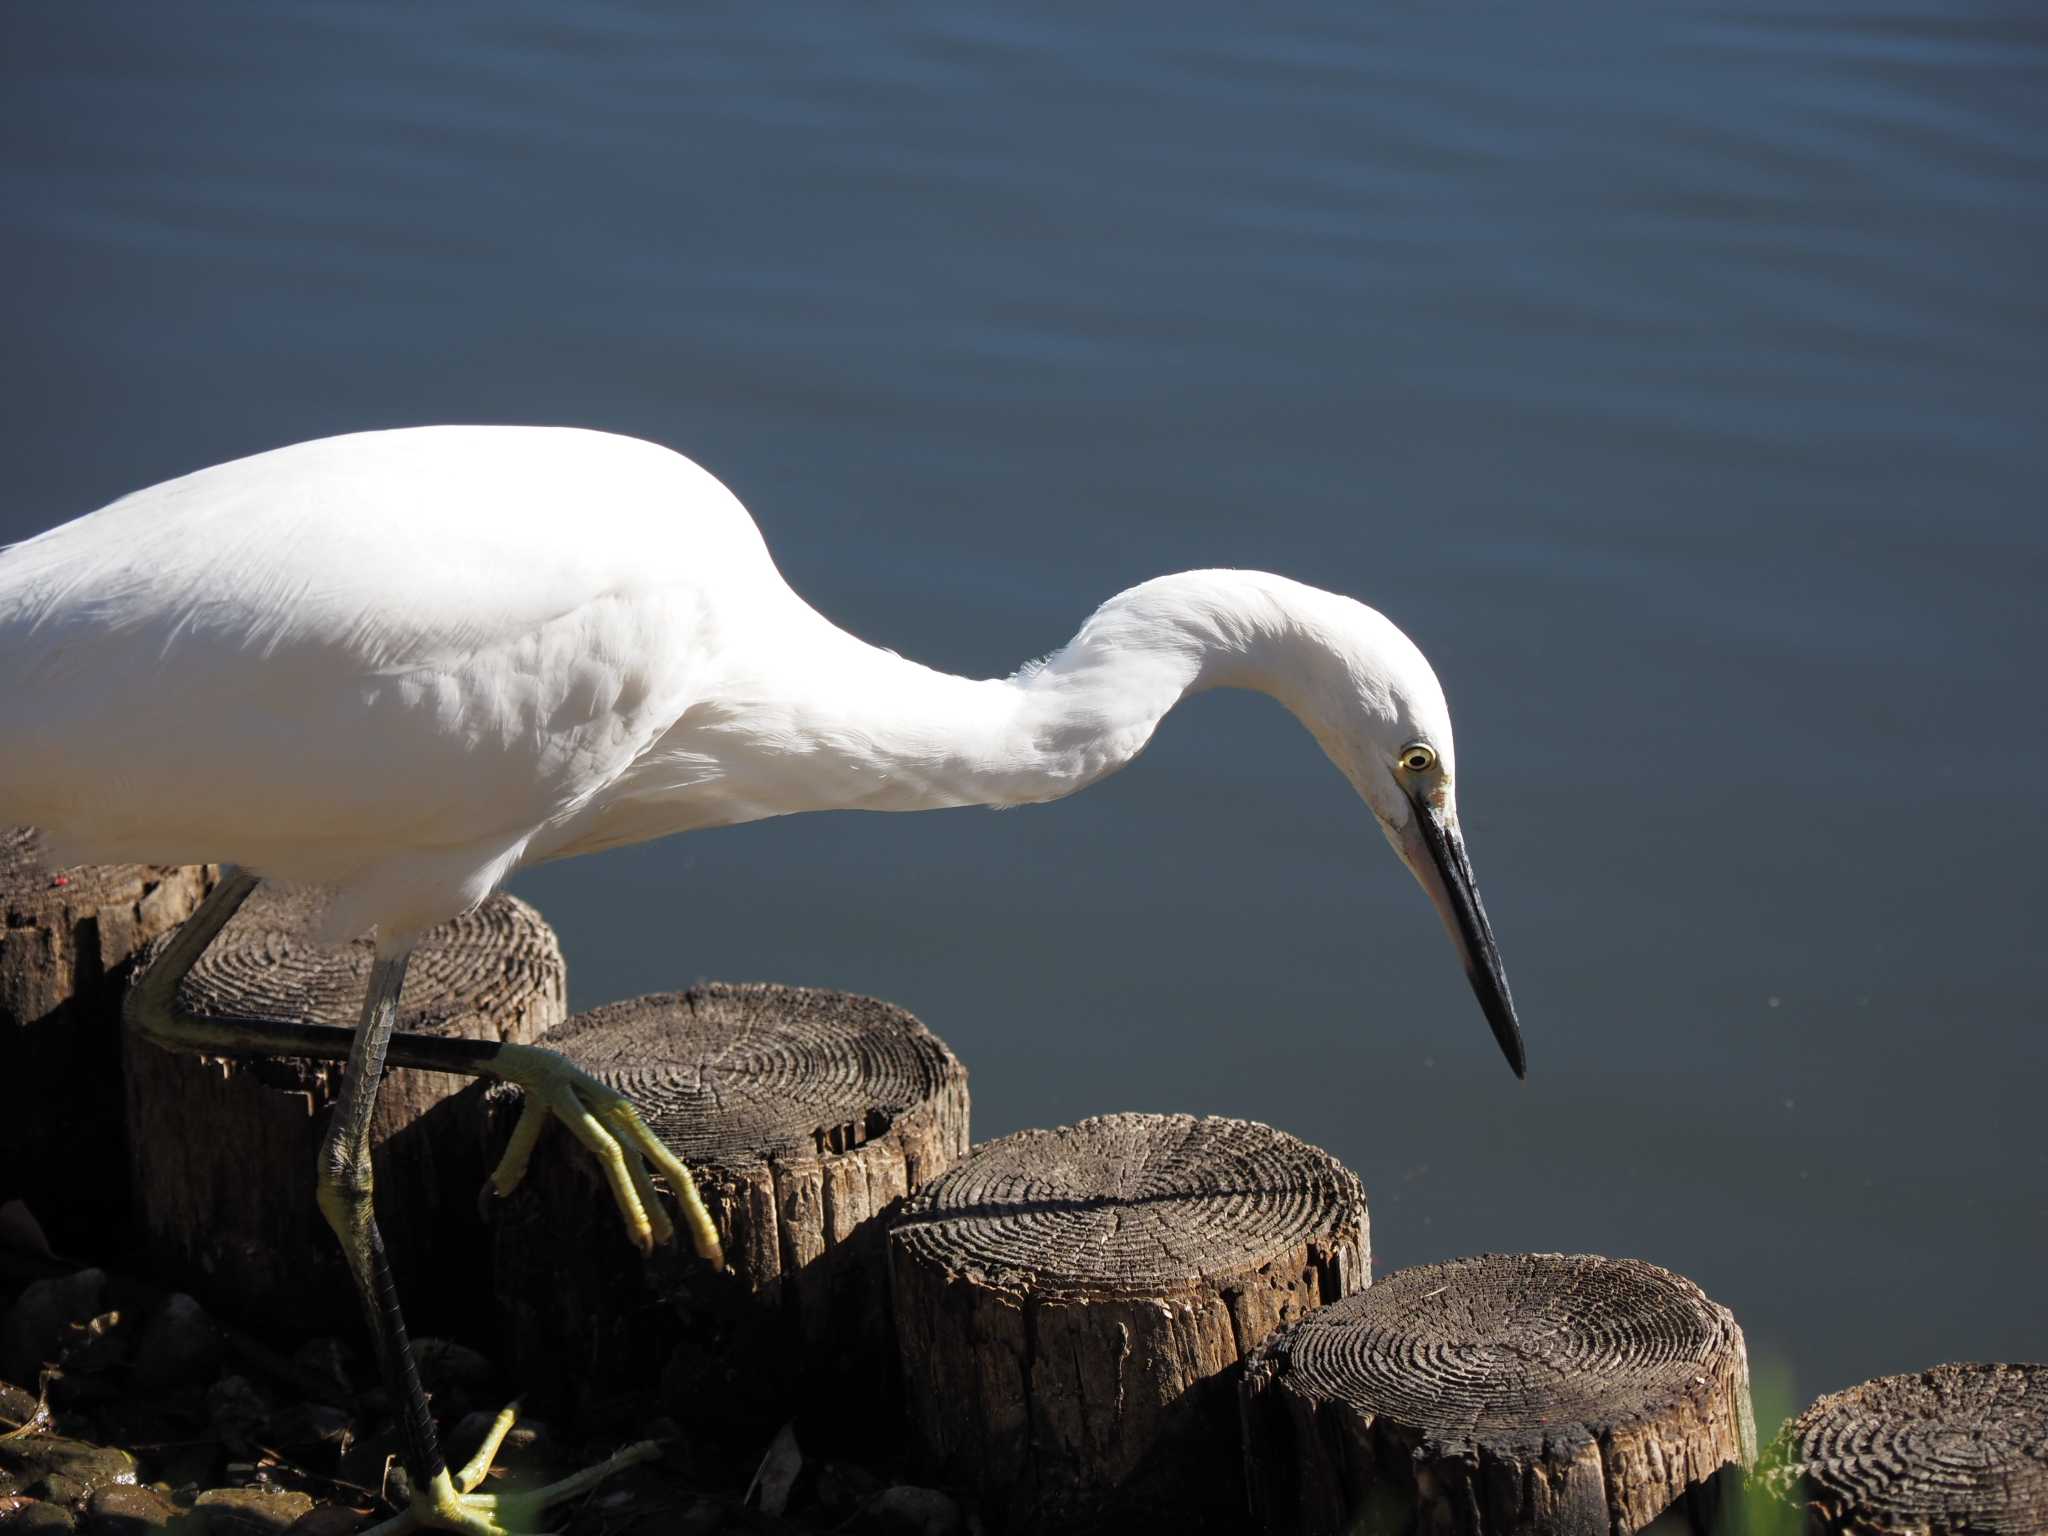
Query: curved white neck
x=868, y=729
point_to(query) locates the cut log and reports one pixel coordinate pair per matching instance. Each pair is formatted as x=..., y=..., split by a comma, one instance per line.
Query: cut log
x=1071, y=1305
x=1959, y=1450
x=806, y=1116
x=67, y=938
x=224, y=1152
x=1507, y=1393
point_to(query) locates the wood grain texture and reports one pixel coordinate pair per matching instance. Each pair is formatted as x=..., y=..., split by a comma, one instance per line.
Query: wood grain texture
x=1505, y=1393
x=806, y=1117
x=67, y=939
x=224, y=1152
x=1071, y=1305
x=1959, y=1450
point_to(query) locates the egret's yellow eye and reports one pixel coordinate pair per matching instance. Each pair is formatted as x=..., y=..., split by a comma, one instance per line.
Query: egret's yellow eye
x=1417, y=756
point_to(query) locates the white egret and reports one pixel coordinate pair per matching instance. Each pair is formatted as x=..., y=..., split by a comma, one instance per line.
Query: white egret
x=404, y=664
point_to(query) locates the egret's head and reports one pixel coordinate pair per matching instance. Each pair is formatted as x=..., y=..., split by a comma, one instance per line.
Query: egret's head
x=1376, y=707
x=1357, y=683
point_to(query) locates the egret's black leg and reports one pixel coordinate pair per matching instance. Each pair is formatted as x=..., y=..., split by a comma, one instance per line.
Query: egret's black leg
x=344, y=1178
x=344, y=1188
x=600, y=1117
x=438, y=1500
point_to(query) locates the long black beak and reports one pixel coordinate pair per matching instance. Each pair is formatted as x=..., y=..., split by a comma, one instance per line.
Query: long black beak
x=1457, y=902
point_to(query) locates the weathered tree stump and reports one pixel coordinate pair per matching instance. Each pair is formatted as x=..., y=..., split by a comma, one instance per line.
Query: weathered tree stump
x=66, y=940
x=224, y=1152
x=1960, y=1450
x=1507, y=1393
x=1071, y=1303
x=806, y=1116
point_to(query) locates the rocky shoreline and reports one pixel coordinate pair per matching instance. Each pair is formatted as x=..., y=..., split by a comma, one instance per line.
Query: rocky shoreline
x=126, y=1409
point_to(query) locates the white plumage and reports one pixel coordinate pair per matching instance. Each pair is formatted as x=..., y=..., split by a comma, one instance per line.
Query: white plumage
x=405, y=663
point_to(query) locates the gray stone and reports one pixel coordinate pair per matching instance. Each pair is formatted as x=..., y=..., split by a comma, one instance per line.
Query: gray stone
x=122, y=1509
x=251, y=1511
x=327, y=1520
x=21, y=1517
x=917, y=1511
x=36, y=1326
x=181, y=1345
x=63, y=1471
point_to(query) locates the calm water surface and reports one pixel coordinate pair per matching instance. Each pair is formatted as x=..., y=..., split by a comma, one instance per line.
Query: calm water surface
x=1678, y=384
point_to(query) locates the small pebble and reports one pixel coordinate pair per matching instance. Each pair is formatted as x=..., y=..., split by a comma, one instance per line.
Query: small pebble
x=60, y=1470
x=125, y=1510
x=250, y=1511
x=19, y=1517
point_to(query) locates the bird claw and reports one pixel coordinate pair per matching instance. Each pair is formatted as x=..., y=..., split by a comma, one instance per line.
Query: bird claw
x=606, y=1122
x=452, y=1504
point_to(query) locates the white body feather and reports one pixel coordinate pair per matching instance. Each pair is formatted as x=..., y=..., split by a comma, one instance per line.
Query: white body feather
x=404, y=663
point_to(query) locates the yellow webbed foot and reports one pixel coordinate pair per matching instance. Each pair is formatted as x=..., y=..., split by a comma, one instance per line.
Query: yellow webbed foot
x=606, y=1122
x=452, y=1504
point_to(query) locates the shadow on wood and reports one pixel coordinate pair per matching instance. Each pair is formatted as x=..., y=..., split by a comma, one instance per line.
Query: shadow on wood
x=224, y=1152
x=806, y=1116
x=67, y=938
x=1071, y=1305
x=1505, y=1393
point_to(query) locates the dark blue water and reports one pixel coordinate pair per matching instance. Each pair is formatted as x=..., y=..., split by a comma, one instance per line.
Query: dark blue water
x=1678, y=383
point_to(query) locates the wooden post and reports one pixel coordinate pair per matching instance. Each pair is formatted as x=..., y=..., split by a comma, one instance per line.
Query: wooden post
x=1954, y=1450
x=224, y=1152
x=806, y=1116
x=66, y=940
x=1071, y=1305
x=1507, y=1393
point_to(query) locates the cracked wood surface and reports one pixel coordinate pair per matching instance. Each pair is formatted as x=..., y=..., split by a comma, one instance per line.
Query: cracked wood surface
x=1071, y=1305
x=1958, y=1450
x=806, y=1116
x=1504, y=1393
x=67, y=939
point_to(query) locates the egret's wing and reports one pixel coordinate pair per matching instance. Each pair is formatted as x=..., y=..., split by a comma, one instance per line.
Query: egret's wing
x=431, y=637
